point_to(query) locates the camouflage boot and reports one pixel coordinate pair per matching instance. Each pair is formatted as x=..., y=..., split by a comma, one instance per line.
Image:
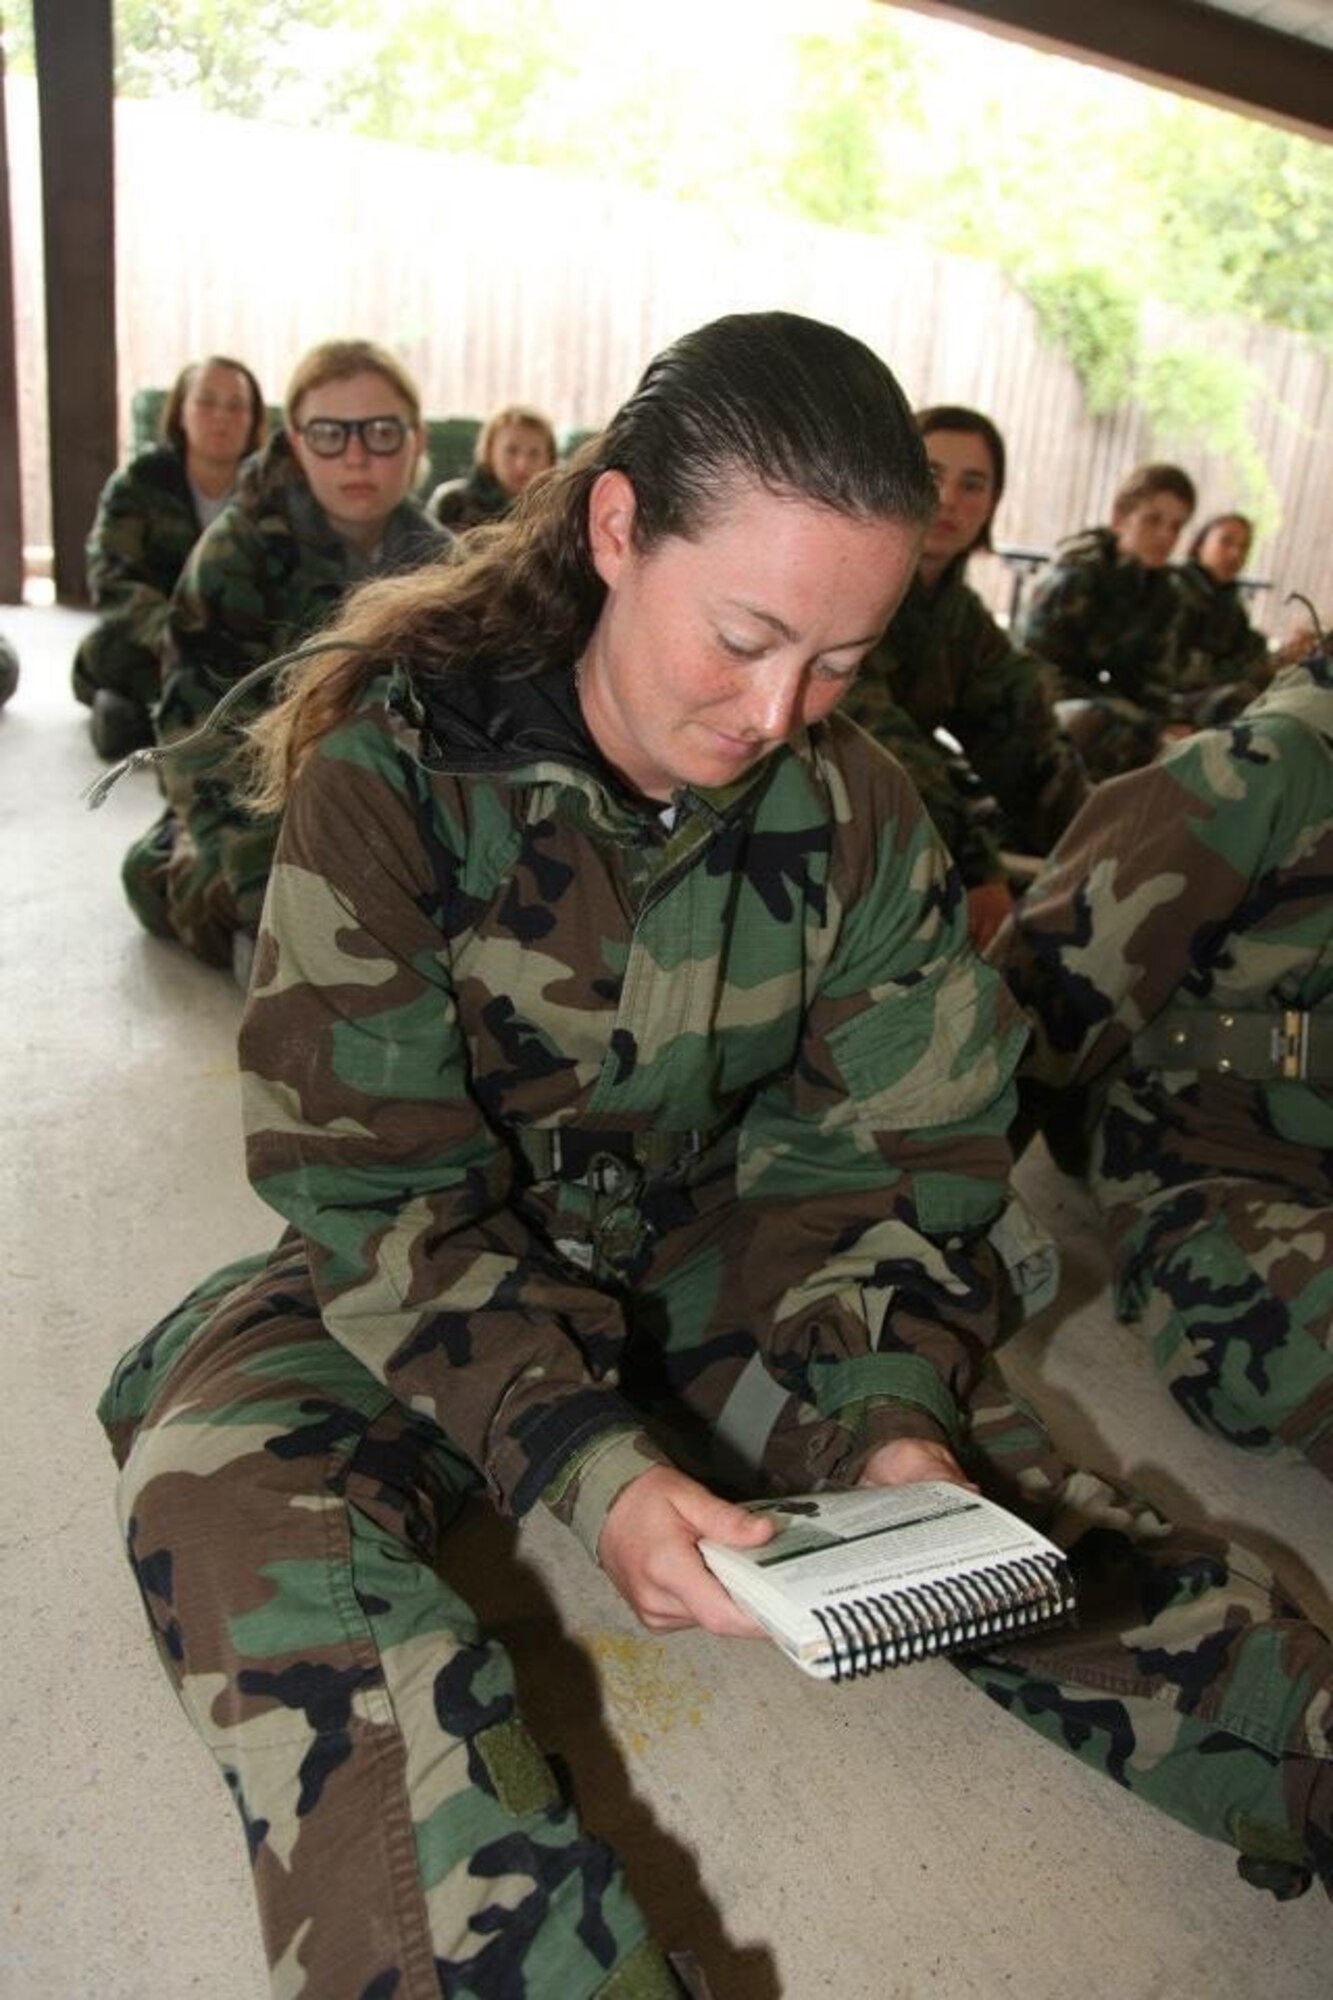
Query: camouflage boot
x=9, y=671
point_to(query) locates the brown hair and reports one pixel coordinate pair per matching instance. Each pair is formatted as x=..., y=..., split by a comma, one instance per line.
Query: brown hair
x=970, y=423
x=1216, y=521
x=516, y=416
x=787, y=403
x=172, y=426
x=1146, y=482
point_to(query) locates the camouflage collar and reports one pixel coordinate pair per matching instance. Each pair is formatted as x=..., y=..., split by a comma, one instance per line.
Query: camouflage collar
x=529, y=731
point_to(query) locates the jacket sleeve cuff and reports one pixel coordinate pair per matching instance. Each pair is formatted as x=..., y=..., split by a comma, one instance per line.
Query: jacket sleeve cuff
x=878, y=1422
x=904, y=1381
x=584, y=1490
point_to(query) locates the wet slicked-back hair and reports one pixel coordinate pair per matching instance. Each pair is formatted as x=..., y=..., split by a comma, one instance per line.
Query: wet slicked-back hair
x=769, y=399
x=789, y=403
x=970, y=423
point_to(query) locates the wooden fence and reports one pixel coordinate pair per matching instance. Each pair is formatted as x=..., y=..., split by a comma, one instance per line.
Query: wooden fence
x=501, y=282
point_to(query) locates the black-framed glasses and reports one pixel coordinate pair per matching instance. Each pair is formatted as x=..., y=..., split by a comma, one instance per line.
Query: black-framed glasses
x=329, y=437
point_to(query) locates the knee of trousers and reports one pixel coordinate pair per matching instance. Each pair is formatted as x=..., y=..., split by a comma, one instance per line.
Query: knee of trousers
x=1237, y=1357
x=369, y=1732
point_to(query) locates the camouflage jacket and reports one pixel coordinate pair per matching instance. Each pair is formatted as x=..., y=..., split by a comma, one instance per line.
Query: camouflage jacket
x=1215, y=641
x=1104, y=622
x=473, y=937
x=467, y=503
x=944, y=663
x=265, y=575
x=1200, y=882
x=146, y=526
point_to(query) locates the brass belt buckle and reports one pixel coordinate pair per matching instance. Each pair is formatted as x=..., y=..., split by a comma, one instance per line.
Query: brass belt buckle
x=1293, y=1044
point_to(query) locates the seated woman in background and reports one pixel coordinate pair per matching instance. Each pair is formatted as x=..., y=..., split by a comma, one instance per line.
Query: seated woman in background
x=945, y=664
x=1104, y=612
x=515, y=444
x=1221, y=661
x=325, y=505
x=149, y=517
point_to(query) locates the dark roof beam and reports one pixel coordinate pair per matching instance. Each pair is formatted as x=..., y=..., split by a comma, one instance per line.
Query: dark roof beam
x=1202, y=51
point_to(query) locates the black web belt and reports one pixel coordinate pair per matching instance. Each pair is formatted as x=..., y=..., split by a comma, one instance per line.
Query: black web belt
x=1267, y=1045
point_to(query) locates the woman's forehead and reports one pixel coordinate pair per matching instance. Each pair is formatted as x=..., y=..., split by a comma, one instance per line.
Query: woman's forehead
x=366, y=394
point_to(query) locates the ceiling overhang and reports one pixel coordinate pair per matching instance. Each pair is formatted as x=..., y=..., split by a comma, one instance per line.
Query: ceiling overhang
x=1220, y=53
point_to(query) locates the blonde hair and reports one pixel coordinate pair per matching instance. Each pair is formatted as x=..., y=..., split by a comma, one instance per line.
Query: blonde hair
x=338, y=361
x=515, y=416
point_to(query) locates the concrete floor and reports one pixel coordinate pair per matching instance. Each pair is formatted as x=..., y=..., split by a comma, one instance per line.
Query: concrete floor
x=898, y=1840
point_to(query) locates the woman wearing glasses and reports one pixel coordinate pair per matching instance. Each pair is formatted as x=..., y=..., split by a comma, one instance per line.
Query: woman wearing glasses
x=325, y=504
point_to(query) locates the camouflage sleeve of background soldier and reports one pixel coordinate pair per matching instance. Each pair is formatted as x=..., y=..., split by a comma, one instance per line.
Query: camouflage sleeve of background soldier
x=927, y=765
x=219, y=623
x=879, y=1166
x=1054, y=618
x=362, y=1130
x=1146, y=879
x=139, y=540
x=1214, y=639
x=1006, y=724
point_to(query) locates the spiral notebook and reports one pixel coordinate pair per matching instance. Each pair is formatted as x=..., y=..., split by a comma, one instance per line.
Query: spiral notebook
x=883, y=1575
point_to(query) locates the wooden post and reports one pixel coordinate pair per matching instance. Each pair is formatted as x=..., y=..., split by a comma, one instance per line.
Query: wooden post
x=75, y=99
x=11, y=488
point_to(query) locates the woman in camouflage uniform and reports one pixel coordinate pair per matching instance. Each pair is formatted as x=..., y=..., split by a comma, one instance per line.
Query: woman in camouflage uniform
x=617, y=1056
x=149, y=517
x=1221, y=661
x=1176, y=955
x=325, y=505
x=944, y=663
x=515, y=444
x=1104, y=614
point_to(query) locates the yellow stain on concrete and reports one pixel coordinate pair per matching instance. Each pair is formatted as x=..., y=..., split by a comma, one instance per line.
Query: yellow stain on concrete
x=650, y=1695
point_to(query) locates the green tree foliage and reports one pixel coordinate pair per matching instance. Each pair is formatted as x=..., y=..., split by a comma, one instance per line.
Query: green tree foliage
x=1092, y=315
x=1089, y=189
x=856, y=103
x=235, y=58
x=1199, y=398
x=448, y=74
x=1244, y=217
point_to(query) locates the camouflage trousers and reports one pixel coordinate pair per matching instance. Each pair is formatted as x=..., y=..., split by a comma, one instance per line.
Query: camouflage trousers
x=287, y=1522
x=199, y=882
x=109, y=658
x=1236, y=1299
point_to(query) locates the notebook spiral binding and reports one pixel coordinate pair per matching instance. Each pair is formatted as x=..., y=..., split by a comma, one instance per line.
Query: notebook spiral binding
x=865, y=1634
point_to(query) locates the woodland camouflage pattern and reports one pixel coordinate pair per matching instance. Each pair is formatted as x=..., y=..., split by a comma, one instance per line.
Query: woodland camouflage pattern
x=1221, y=662
x=1205, y=881
x=1107, y=625
x=945, y=663
x=265, y=575
x=146, y=526
x=471, y=937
